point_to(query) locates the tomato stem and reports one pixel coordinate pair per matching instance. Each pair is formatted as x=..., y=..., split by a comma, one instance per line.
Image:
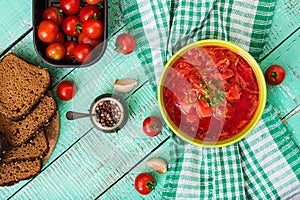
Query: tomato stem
x=119, y=48
x=60, y=13
x=274, y=75
x=100, y=5
x=154, y=127
x=150, y=185
x=94, y=16
x=78, y=28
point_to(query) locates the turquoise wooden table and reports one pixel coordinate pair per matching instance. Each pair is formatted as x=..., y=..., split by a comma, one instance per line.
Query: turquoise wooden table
x=89, y=164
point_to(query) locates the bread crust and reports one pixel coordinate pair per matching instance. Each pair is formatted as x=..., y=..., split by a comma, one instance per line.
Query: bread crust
x=3, y=167
x=41, y=136
x=12, y=129
x=19, y=113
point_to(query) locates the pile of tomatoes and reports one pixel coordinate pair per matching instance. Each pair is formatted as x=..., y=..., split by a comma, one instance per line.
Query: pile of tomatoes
x=70, y=31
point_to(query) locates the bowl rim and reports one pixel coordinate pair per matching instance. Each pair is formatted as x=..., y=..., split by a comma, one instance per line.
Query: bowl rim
x=261, y=83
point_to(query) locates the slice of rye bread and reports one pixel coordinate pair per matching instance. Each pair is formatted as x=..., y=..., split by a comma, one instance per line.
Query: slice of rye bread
x=17, y=133
x=22, y=85
x=12, y=173
x=37, y=147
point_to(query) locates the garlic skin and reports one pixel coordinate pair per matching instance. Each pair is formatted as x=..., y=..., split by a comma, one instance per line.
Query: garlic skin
x=158, y=164
x=125, y=85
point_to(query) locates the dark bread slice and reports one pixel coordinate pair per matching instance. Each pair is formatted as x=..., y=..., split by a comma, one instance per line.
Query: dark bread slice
x=22, y=85
x=35, y=148
x=17, y=133
x=12, y=173
x=52, y=133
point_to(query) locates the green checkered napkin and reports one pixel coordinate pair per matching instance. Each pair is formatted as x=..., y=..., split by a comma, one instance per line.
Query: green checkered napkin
x=264, y=165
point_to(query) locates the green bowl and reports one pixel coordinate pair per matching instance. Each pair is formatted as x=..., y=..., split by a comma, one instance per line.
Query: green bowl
x=262, y=92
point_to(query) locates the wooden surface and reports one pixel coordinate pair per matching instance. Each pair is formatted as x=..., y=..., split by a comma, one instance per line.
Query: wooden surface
x=89, y=164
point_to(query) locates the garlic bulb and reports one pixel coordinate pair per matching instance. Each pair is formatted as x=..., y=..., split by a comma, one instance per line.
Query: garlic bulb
x=125, y=85
x=158, y=164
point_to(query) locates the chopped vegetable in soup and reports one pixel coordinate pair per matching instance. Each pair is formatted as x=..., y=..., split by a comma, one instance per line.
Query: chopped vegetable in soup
x=210, y=93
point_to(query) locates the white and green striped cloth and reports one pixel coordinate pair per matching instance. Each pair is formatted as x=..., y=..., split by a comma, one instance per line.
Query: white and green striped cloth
x=264, y=165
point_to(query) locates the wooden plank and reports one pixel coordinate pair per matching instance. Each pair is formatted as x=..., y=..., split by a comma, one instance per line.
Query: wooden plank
x=292, y=122
x=285, y=21
x=98, y=159
x=88, y=88
x=124, y=189
x=15, y=21
x=90, y=83
x=286, y=96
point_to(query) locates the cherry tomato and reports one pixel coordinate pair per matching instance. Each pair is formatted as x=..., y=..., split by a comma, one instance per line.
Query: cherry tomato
x=55, y=51
x=82, y=52
x=70, y=7
x=152, y=126
x=144, y=183
x=92, y=28
x=69, y=46
x=47, y=31
x=53, y=13
x=83, y=39
x=66, y=90
x=59, y=37
x=89, y=12
x=93, y=2
x=125, y=43
x=71, y=26
x=275, y=74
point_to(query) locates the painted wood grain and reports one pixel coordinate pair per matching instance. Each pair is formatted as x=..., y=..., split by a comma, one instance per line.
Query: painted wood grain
x=15, y=21
x=97, y=160
x=90, y=83
x=285, y=21
x=285, y=97
x=124, y=189
x=293, y=125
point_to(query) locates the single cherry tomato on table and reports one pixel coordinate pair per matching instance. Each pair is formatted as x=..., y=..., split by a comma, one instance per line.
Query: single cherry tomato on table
x=70, y=7
x=93, y=28
x=83, y=39
x=66, y=90
x=82, y=52
x=89, y=12
x=47, y=31
x=53, y=13
x=60, y=37
x=93, y=2
x=275, y=74
x=144, y=183
x=69, y=46
x=125, y=43
x=152, y=126
x=71, y=26
x=55, y=51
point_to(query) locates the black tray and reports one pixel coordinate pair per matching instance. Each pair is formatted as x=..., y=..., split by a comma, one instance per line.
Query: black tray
x=38, y=6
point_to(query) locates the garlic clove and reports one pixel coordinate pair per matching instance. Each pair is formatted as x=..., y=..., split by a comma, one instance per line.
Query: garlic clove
x=158, y=164
x=125, y=85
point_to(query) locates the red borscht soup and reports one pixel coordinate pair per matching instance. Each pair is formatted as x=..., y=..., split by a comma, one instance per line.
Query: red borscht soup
x=210, y=93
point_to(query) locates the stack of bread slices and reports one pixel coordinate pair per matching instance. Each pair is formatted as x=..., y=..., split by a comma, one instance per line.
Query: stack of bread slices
x=26, y=107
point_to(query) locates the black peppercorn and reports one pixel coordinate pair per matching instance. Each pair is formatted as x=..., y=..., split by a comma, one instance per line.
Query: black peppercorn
x=109, y=113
